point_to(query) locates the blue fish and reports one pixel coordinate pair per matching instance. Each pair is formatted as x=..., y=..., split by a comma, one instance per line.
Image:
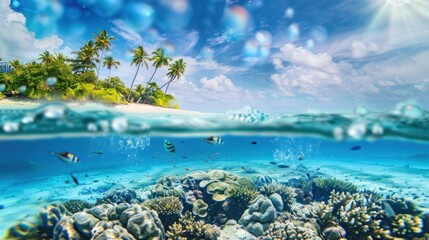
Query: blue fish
x=356, y=148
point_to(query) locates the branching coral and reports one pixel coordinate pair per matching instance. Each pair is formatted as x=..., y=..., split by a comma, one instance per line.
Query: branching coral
x=188, y=228
x=406, y=226
x=76, y=205
x=287, y=193
x=168, y=208
x=322, y=187
x=168, y=186
x=292, y=230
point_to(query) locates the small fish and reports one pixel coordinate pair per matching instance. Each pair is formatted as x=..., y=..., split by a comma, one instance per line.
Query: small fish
x=97, y=152
x=253, y=143
x=213, y=140
x=1, y=206
x=356, y=148
x=283, y=166
x=67, y=181
x=244, y=168
x=318, y=169
x=86, y=174
x=301, y=157
x=67, y=157
x=308, y=174
x=169, y=147
x=187, y=169
x=74, y=179
x=274, y=163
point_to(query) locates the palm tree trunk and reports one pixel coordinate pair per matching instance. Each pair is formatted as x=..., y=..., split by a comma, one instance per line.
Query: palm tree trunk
x=98, y=69
x=166, y=84
x=166, y=89
x=147, y=84
x=132, y=83
x=108, y=78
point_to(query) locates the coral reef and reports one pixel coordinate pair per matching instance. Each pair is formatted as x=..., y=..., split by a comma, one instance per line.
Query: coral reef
x=48, y=217
x=108, y=230
x=232, y=230
x=76, y=205
x=262, y=180
x=120, y=196
x=168, y=208
x=401, y=205
x=168, y=186
x=287, y=194
x=304, y=197
x=200, y=208
x=406, y=226
x=260, y=214
x=191, y=196
x=23, y=230
x=188, y=228
x=322, y=188
x=291, y=229
x=189, y=183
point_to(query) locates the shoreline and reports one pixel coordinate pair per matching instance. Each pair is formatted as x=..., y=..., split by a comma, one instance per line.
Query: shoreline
x=130, y=108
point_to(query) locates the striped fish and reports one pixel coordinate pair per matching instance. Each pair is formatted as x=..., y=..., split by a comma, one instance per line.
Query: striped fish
x=169, y=147
x=67, y=157
x=213, y=140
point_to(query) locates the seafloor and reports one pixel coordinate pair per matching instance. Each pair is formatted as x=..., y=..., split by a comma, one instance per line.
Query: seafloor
x=216, y=199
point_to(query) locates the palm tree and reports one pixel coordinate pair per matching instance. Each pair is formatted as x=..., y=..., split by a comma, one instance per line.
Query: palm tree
x=140, y=90
x=60, y=57
x=109, y=62
x=86, y=57
x=175, y=71
x=103, y=43
x=139, y=58
x=46, y=57
x=159, y=60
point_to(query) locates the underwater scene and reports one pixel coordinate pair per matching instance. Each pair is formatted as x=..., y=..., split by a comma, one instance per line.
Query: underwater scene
x=245, y=175
x=214, y=120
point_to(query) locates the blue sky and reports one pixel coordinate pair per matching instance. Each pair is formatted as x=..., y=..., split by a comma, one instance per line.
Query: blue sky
x=275, y=55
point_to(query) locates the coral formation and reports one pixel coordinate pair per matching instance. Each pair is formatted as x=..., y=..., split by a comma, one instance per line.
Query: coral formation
x=168, y=186
x=168, y=208
x=322, y=188
x=259, y=215
x=406, y=226
x=48, y=216
x=287, y=194
x=76, y=205
x=188, y=228
x=262, y=180
x=401, y=205
x=23, y=230
x=120, y=196
x=291, y=229
x=200, y=208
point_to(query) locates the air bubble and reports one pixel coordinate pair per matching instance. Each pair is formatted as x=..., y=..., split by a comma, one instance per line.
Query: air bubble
x=51, y=81
x=411, y=111
x=357, y=131
x=338, y=133
x=377, y=130
x=27, y=119
x=119, y=124
x=92, y=127
x=10, y=127
x=2, y=87
x=104, y=125
x=54, y=112
x=22, y=89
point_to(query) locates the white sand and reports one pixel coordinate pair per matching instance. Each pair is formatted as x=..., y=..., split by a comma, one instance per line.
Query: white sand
x=132, y=108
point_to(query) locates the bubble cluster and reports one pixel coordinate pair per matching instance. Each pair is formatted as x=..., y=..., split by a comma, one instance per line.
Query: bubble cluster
x=173, y=14
x=319, y=34
x=16, y=3
x=257, y=49
x=236, y=21
x=293, y=32
x=54, y=112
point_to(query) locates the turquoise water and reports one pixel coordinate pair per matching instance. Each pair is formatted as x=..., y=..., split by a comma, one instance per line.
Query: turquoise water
x=383, y=154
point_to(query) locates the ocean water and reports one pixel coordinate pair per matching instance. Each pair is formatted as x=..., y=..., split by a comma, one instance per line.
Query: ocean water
x=383, y=154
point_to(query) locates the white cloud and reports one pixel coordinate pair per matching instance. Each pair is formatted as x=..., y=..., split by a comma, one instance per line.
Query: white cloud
x=220, y=84
x=16, y=41
x=360, y=49
x=126, y=32
x=302, y=57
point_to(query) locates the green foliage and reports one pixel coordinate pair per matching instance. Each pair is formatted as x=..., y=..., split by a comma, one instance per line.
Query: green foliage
x=2, y=96
x=77, y=78
x=243, y=194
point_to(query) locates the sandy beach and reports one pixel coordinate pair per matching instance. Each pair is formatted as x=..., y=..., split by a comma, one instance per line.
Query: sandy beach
x=130, y=108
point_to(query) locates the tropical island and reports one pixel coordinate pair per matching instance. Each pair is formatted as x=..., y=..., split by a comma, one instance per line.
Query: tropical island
x=58, y=77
